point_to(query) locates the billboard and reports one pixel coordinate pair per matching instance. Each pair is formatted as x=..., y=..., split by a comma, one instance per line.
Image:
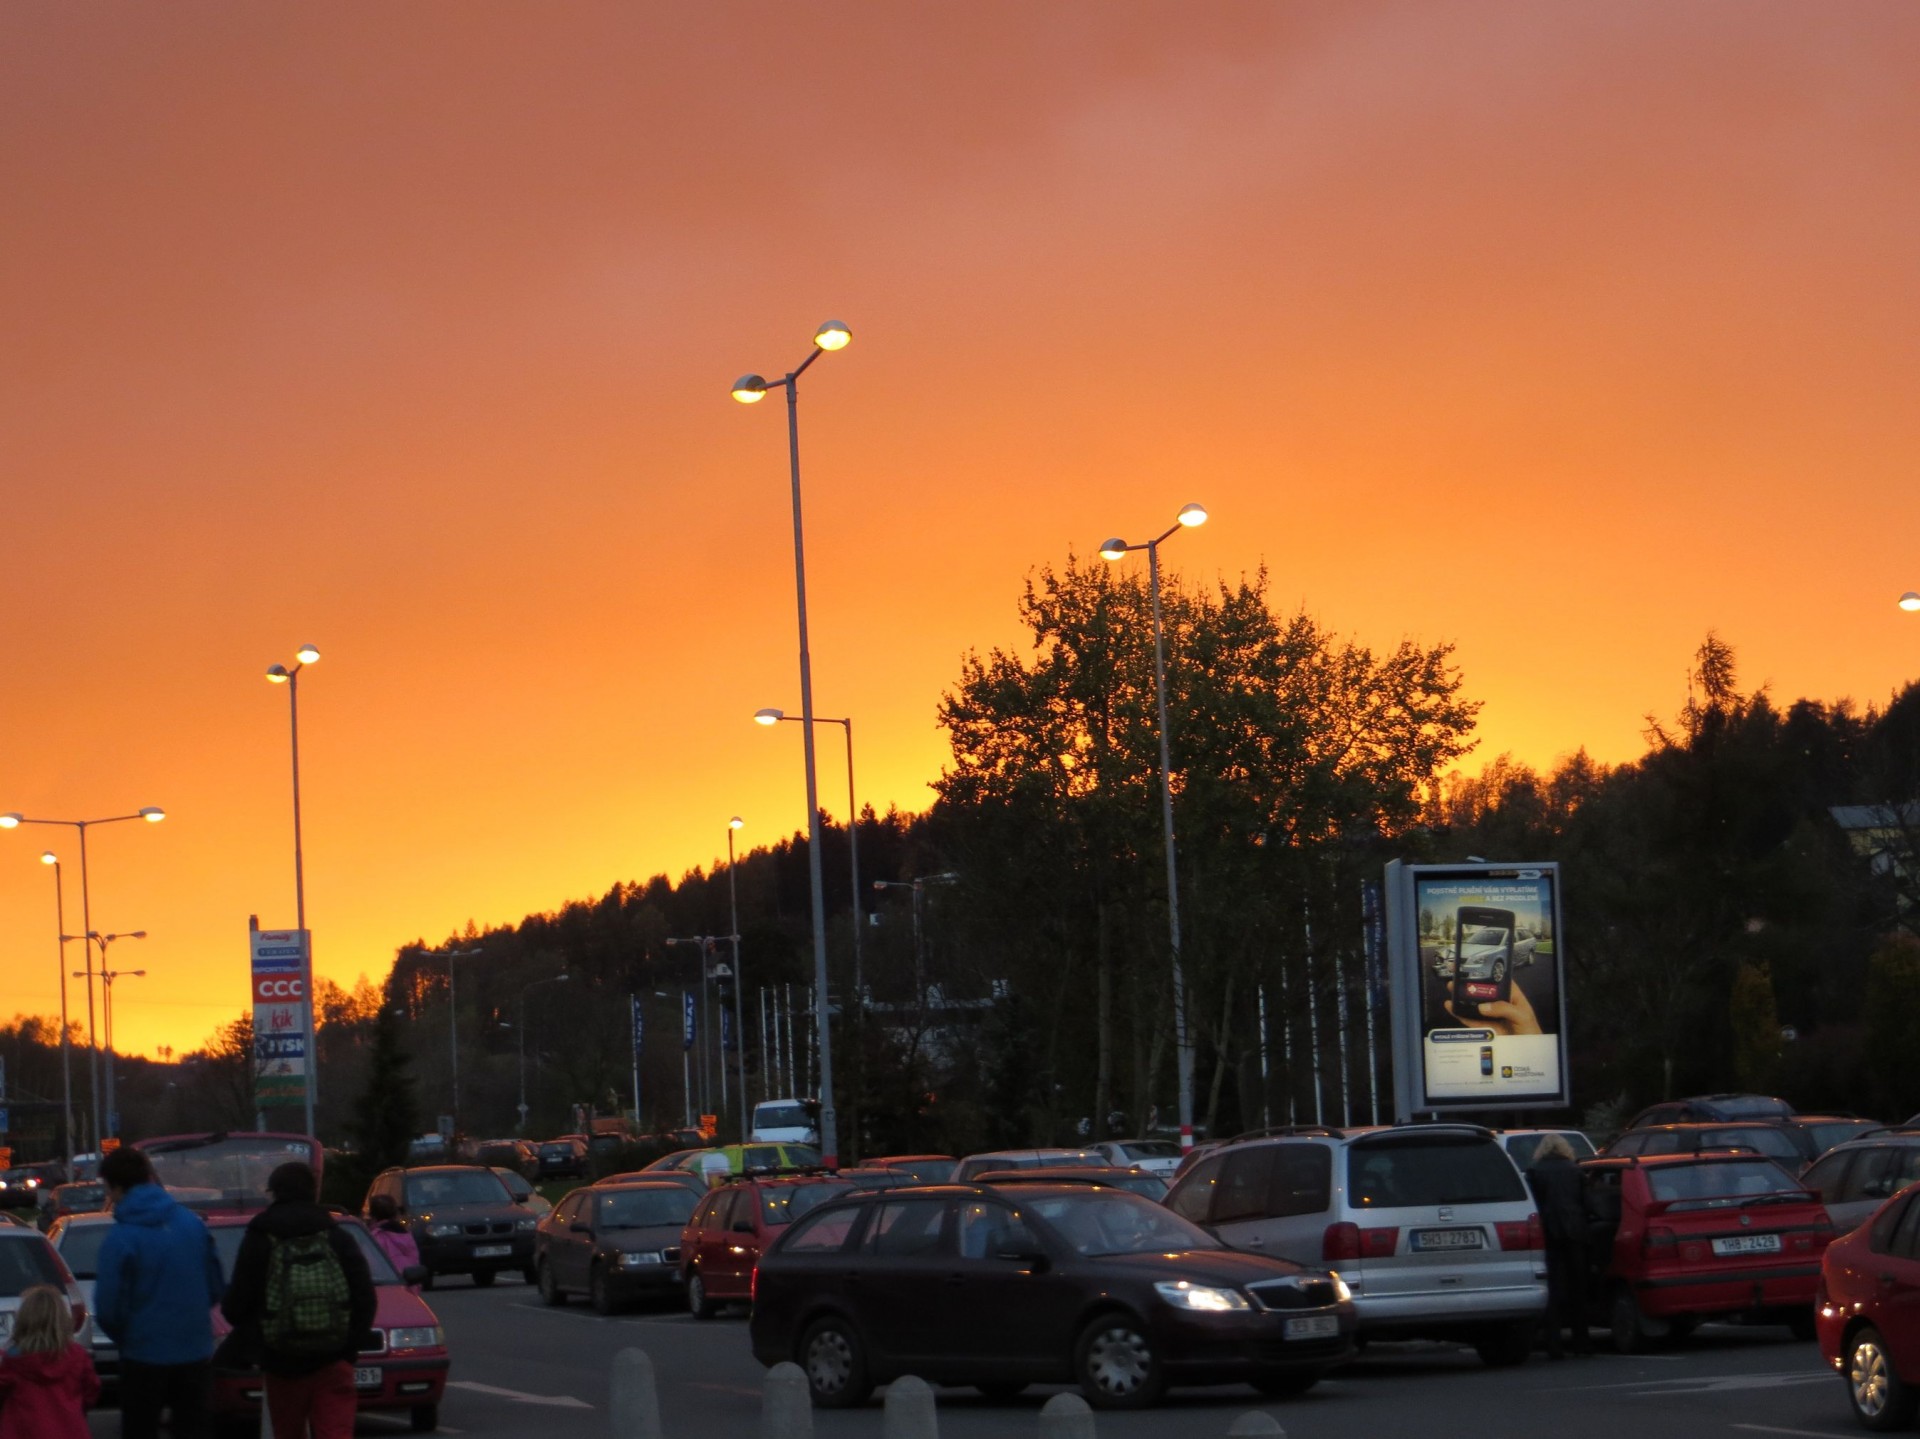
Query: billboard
x=282, y=980
x=1478, y=995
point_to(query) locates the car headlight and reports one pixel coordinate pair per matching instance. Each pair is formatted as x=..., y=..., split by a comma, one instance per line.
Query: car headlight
x=442, y=1231
x=1341, y=1294
x=1183, y=1295
x=634, y=1259
x=525, y=1225
x=427, y=1336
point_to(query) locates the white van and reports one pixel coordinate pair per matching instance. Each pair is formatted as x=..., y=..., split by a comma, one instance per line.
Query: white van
x=786, y=1121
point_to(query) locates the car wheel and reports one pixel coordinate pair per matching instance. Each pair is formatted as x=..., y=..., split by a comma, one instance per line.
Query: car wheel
x=698, y=1304
x=835, y=1364
x=424, y=1418
x=1880, y=1400
x=550, y=1291
x=1003, y=1390
x=1633, y=1331
x=1285, y=1383
x=1800, y=1326
x=1116, y=1366
x=1499, y=970
x=1505, y=1347
x=483, y=1277
x=600, y=1292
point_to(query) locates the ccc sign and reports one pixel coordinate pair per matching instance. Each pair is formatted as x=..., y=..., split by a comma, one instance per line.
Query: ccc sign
x=279, y=989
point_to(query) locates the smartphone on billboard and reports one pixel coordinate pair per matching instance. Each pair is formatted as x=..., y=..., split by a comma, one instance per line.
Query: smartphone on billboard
x=1486, y=1061
x=1482, y=958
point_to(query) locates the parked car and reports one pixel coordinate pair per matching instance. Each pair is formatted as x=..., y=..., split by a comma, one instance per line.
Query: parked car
x=20, y=1186
x=87, y=1196
x=925, y=1168
x=786, y=1121
x=1524, y=1144
x=514, y=1154
x=1026, y=1159
x=1867, y=1313
x=1156, y=1156
x=1690, y=1237
x=1133, y=1181
x=1712, y=1108
x=27, y=1258
x=523, y=1193
x=735, y=1159
x=694, y=1184
x=1431, y=1225
x=77, y=1239
x=406, y=1367
x=1822, y=1132
x=226, y=1172
x=1855, y=1179
x=733, y=1227
x=613, y=1243
x=560, y=1158
x=463, y=1219
x=1775, y=1140
x=1040, y=1284
x=861, y=1177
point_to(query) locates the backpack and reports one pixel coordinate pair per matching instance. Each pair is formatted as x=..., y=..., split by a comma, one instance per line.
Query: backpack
x=308, y=1309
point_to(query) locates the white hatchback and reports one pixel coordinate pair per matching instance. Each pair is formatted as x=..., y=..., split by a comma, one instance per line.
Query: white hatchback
x=27, y=1259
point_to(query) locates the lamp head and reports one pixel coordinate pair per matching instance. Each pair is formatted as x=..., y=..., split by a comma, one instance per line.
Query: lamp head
x=1909, y=602
x=1192, y=516
x=152, y=813
x=277, y=674
x=11, y=821
x=307, y=655
x=1113, y=549
x=769, y=716
x=736, y=823
x=750, y=389
x=834, y=335
x=137, y=934
x=49, y=858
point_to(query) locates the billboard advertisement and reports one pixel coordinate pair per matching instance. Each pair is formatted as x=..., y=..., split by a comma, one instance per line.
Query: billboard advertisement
x=1479, y=1002
x=281, y=980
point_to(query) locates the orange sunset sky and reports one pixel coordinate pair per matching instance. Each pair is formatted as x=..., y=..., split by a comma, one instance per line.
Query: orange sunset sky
x=1561, y=331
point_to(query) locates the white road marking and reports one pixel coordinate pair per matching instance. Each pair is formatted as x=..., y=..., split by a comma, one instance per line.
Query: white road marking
x=1713, y=1383
x=1770, y=1429
x=551, y=1401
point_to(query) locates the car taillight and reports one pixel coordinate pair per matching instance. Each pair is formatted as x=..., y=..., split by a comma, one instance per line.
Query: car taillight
x=1658, y=1238
x=1521, y=1233
x=753, y=1284
x=1341, y=1241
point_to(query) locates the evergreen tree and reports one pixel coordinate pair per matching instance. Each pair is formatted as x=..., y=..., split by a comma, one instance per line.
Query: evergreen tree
x=386, y=1117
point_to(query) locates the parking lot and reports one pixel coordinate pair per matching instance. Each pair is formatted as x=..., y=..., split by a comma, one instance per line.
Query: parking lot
x=520, y=1368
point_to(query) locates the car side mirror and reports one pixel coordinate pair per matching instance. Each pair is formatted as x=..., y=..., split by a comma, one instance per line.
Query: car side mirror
x=414, y=1274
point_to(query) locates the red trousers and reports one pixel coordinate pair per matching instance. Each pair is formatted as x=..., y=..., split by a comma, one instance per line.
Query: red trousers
x=322, y=1401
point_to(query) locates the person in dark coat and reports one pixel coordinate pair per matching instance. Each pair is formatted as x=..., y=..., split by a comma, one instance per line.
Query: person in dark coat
x=1560, y=1196
x=303, y=1387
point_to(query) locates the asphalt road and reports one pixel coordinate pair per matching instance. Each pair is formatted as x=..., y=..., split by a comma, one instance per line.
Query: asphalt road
x=522, y=1369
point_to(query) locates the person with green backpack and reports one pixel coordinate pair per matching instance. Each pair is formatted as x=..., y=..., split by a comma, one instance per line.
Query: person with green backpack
x=302, y=1302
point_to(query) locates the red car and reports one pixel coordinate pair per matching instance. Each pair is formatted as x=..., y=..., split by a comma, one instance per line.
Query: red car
x=1704, y=1236
x=405, y=1370
x=733, y=1227
x=1868, y=1313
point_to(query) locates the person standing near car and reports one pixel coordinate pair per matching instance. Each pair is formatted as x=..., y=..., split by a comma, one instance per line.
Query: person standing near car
x=156, y=1282
x=303, y=1299
x=1560, y=1195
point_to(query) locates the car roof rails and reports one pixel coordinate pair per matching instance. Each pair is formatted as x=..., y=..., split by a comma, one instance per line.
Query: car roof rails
x=1281, y=1131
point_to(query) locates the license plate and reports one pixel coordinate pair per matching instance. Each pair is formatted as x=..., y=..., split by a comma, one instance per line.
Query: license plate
x=1320, y=1326
x=1748, y=1244
x=366, y=1379
x=492, y=1251
x=1427, y=1241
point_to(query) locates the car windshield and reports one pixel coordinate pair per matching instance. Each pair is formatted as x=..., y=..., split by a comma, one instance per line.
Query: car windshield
x=644, y=1208
x=25, y=1262
x=516, y=1183
x=235, y=1167
x=782, y=1204
x=1486, y=936
x=928, y=1171
x=1424, y=1172
x=1114, y=1222
x=474, y=1186
x=781, y=1116
x=1722, y=1181
x=1749, y=1106
x=80, y=1246
x=1763, y=1137
x=1150, y=1149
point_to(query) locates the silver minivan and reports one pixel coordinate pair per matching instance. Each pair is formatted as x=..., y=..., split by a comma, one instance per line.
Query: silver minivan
x=1431, y=1225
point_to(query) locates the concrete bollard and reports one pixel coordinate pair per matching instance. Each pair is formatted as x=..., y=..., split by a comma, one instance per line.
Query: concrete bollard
x=1066, y=1416
x=786, y=1408
x=1256, y=1422
x=633, y=1408
x=909, y=1411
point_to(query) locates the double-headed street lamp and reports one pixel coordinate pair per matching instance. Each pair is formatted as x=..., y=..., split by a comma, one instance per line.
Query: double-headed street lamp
x=919, y=888
x=750, y=389
x=1189, y=517
x=66, y=1042
x=550, y=979
x=153, y=814
x=453, y=1019
x=705, y=943
x=771, y=717
x=739, y=987
x=107, y=977
x=282, y=675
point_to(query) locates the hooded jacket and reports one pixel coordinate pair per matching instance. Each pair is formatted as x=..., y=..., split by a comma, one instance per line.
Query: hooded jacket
x=245, y=1304
x=46, y=1396
x=157, y=1281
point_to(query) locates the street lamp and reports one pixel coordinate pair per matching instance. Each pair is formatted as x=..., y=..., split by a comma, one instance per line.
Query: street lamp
x=66, y=1042
x=749, y=389
x=550, y=979
x=152, y=814
x=739, y=987
x=1190, y=517
x=1910, y=601
x=107, y=977
x=282, y=675
x=919, y=888
x=706, y=942
x=453, y=1019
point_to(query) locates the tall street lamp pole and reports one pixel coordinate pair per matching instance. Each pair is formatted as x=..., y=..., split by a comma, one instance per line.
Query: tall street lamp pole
x=453, y=1019
x=153, y=814
x=106, y=991
x=1188, y=518
x=739, y=987
x=748, y=389
x=66, y=1040
x=550, y=979
x=281, y=674
x=772, y=717
x=919, y=888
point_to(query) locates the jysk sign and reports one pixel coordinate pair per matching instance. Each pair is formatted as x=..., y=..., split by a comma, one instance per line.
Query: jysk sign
x=1478, y=994
x=282, y=985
